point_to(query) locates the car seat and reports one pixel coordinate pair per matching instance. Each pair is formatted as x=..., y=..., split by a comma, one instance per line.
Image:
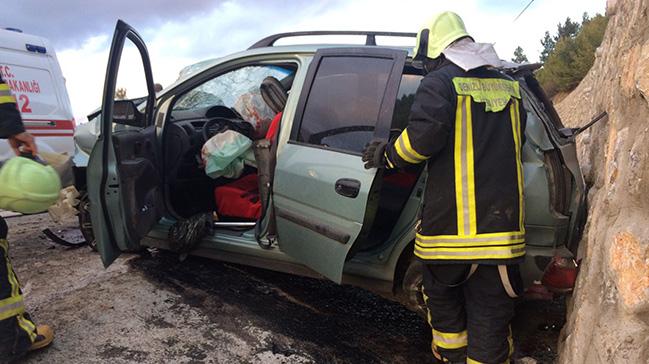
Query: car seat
x=273, y=93
x=243, y=198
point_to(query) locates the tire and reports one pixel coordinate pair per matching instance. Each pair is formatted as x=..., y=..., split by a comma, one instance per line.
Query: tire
x=410, y=292
x=85, y=222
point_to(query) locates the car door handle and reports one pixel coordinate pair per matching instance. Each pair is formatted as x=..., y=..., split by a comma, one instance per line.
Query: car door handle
x=348, y=187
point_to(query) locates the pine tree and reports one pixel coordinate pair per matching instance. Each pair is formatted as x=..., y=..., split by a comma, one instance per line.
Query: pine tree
x=519, y=56
x=548, y=44
x=572, y=55
x=569, y=29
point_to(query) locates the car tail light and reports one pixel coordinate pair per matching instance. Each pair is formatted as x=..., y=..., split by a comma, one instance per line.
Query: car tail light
x=560, y=275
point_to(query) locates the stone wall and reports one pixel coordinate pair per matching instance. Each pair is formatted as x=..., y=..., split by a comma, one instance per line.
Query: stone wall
x=608, y=318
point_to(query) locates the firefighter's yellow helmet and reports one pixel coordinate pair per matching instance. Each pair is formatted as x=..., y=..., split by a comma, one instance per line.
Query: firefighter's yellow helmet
x=438, y=33
x=27, y=186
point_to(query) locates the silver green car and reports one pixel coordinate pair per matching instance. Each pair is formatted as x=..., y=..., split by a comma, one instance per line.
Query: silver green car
x=324, y=214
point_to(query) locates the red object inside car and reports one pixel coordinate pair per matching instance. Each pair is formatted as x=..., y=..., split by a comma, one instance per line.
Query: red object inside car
x=274, y=125
x=239, y=199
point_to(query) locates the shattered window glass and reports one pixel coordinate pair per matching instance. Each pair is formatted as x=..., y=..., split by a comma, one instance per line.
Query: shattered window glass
x=228, y=88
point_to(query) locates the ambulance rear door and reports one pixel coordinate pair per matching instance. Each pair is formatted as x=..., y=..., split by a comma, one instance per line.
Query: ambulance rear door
x=29, y=66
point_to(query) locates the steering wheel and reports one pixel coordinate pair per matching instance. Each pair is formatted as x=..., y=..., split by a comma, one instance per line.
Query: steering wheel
x=213, y=127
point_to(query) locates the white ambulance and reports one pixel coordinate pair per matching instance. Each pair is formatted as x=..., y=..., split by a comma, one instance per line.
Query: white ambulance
x=29, y=66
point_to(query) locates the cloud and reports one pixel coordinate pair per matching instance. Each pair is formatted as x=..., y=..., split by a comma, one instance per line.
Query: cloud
x=69, y=23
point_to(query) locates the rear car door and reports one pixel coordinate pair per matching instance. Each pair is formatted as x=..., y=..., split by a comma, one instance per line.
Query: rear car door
x=559, y=186
x=124, y=184
x=325, y=200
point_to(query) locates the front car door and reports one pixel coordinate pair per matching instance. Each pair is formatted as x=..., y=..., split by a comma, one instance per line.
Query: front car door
x=124, y=184
x=324, y=199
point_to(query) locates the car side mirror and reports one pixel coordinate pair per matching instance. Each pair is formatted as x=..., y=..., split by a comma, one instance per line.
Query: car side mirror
x=125, y=112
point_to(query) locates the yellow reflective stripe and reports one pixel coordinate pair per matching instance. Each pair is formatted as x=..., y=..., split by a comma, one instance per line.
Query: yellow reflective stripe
x=473, y=253
x=457, y=156
x=27, y=326
x=7, y=99
x=464, y=168
x=470, y=173
x=406, y=151
x=516, y=130
x=512, y=240
x=15, y=287
x=409, y=148
x=387, y=159
x=4, y=87
x=11, y=306
x=504, y=234
x=447, y=340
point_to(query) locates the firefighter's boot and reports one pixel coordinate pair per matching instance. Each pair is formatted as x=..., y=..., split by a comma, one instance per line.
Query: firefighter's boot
x=44, y=337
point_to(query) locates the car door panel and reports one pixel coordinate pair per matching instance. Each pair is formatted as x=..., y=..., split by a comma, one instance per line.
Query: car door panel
x=139, y=180
x=544, y=225
x=323, y=196
x=123, y=180
x=564, y=202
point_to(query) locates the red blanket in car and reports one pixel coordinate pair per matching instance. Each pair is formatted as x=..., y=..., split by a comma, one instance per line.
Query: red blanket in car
x=239, y=199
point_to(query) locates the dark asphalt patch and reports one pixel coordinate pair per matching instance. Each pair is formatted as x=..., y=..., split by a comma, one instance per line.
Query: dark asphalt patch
x=328, y=322
x=332, y=323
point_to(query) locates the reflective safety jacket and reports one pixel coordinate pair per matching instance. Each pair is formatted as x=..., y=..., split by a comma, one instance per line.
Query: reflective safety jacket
x=469, y=127
x=10, y=121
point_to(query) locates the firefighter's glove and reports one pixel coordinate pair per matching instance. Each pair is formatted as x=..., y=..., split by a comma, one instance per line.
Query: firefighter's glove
x=374, y=153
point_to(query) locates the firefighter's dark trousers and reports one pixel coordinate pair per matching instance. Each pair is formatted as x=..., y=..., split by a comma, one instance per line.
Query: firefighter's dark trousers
x=17, y=331
x=470, y=317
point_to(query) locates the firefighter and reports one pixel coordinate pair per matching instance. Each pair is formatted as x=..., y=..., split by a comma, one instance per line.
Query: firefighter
x=25, y=186
x=467, y=124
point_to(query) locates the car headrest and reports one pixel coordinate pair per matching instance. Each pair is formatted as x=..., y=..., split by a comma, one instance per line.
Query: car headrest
x=273, y=93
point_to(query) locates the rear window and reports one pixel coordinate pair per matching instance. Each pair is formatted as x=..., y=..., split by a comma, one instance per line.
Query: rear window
x=344, y=102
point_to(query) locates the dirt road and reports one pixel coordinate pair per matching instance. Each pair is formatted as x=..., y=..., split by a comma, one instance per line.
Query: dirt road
x=151, y=308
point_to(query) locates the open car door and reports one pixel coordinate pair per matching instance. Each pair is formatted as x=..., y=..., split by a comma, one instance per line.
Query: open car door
x=324, y=198
x=124, y=184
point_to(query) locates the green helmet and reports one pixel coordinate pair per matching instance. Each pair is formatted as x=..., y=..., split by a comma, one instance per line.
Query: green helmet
x=442, y=30
x=28, y=186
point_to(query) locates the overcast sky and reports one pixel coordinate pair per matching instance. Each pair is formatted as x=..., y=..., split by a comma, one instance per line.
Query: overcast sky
x=179, y=33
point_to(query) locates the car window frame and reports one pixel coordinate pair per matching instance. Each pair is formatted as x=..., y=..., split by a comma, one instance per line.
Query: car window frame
x=386, y=109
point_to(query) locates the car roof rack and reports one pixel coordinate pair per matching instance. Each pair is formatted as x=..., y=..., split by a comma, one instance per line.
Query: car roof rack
x=370, y=37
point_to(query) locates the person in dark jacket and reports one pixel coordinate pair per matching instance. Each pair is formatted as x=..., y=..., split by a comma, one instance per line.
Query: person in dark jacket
x=18, y=334
x=467, y=122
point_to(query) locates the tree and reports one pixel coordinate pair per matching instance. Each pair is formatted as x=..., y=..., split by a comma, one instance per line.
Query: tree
x=519, y=56
x=548, y=46
x=572, y=56
x=569, y=29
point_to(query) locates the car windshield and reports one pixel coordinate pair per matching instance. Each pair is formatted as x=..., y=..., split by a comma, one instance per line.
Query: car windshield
x=227, y=88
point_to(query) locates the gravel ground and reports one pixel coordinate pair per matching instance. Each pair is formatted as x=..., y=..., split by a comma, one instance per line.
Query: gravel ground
x=151, y=308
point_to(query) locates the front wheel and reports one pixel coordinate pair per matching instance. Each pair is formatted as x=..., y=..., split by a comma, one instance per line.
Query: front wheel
x=410, y=292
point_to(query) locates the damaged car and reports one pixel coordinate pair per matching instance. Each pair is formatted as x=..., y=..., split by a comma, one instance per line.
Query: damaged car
x=255, y=159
